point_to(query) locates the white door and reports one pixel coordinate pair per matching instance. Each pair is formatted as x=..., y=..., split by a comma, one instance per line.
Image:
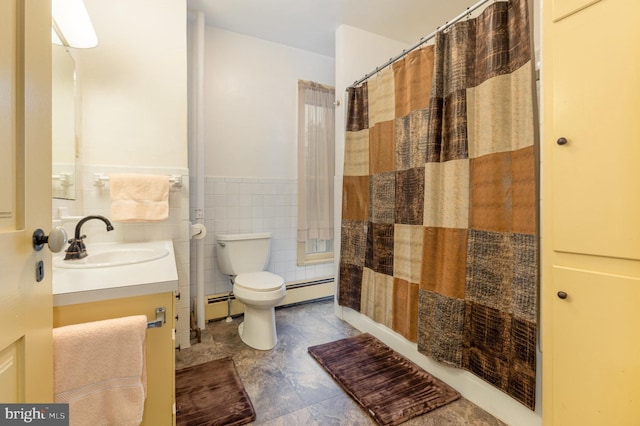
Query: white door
x=26, y=359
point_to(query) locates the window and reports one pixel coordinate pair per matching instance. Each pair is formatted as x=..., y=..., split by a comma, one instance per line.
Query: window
x=316, y=141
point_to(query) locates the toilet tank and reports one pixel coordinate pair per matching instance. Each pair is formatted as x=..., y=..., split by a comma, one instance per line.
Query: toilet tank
x=240, y=253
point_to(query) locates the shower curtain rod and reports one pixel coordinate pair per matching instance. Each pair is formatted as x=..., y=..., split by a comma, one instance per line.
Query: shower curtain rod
x=422, y=41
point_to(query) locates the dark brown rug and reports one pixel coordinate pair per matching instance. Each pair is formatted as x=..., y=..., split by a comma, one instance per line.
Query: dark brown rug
x=212, y=394
x=388, y=386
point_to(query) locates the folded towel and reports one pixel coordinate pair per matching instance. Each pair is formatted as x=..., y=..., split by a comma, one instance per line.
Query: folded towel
x=100, y=370
x=139, y=198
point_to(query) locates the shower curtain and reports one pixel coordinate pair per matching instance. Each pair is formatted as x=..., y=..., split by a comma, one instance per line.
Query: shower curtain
x=439, y=211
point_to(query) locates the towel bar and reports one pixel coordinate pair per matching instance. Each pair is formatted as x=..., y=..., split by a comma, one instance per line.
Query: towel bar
x=160, y=318
x=99, y=179
x=64, y=178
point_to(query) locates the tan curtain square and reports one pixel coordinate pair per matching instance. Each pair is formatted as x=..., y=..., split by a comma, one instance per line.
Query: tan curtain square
x=377, y=297
x=446, y=200
x=407, y=252
x=499, y=114
x=381, y=97
x=381, y=148
x=356, y=153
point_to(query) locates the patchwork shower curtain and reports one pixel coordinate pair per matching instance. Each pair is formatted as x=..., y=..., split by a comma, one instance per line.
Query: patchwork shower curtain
x=439, y=212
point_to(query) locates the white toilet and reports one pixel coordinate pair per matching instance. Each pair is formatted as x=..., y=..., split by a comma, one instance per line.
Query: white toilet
x=244, y=257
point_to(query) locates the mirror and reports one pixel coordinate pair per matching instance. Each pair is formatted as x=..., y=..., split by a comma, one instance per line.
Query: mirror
x=63, y=127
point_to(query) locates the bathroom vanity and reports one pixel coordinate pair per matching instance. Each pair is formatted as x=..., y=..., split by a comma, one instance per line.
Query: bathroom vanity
x=115, y=289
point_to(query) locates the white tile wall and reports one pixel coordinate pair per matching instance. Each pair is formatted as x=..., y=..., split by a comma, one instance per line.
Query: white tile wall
x=92, y=199
x=239, y=205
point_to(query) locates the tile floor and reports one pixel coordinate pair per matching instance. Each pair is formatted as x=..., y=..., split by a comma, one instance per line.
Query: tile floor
x=287, y=386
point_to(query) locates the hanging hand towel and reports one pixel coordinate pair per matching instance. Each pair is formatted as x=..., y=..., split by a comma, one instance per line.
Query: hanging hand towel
x=100, y=371
x=139, y=198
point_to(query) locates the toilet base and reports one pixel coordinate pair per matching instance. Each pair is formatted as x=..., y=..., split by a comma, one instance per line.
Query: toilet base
x=258, y=329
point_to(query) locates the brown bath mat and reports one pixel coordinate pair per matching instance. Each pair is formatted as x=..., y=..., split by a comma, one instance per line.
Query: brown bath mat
x=212, y=394
x=388, y=386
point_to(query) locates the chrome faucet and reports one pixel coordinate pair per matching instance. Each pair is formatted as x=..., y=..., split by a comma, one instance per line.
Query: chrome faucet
x=77, y=248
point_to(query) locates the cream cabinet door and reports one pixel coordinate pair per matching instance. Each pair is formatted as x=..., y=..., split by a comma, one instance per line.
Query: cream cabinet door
x=159, y=406
x=26, y=360
x=596, y=349
x=594, y=94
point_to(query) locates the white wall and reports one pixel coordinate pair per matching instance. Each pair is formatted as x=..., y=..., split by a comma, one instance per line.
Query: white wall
x=134, y=84
x=357, y=53
x=250, y=103
x=251, y=147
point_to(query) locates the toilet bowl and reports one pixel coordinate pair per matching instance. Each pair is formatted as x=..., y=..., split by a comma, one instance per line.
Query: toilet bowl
x=244, y=258
x=260, y=292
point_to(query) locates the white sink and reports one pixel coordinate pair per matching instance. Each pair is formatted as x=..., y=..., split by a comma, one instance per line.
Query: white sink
x=113, y=257
x=115, y=270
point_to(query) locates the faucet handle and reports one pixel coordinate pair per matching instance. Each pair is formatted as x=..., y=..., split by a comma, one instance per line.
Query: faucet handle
x=56, y=239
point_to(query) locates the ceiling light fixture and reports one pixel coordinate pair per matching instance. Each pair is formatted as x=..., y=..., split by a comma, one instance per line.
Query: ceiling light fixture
x=71, y=25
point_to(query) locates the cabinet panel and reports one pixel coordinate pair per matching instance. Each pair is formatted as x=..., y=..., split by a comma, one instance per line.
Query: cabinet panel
x=160, y=346
x=11, y=373
x=595, y=349
x=595, y=104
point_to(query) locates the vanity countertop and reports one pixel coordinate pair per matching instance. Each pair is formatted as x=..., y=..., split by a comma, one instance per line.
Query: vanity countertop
x=82, y=285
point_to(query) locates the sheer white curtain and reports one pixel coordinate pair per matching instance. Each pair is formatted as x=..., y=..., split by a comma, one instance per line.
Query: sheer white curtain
x=316, y=141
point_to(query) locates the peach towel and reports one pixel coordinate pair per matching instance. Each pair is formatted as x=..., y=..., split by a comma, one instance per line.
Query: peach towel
x=139, y=198
x=100, y=370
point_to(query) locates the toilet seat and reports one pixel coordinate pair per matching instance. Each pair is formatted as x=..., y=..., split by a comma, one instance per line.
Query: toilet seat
x=259, y=281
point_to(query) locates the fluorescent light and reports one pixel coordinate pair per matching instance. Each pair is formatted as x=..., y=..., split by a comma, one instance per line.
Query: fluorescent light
x=72, y=25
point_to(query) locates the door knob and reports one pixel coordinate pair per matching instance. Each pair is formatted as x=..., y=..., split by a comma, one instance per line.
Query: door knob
x=56, y=239
x=562, y=141
x=562, y=295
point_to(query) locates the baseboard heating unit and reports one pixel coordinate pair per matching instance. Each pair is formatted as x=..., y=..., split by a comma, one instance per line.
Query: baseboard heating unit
x=219, y=306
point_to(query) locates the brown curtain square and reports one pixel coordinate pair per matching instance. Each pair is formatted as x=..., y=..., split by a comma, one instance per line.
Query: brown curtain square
x=488, y=329
x=444, y=261
x=350, y=286
x=525, y=277
x=491, y=192
x=412, y=78
x=358, y=108
x=379, y=257
x=353, y=242
x=411, y=139
x=441, y=327
x=383, y=197
x=405, y=308
x=490, y=269
x=524, y=191
x=503, y=192
x=355, y=198
x=410, y=196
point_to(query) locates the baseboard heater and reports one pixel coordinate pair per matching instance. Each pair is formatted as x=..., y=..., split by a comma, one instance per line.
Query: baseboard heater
x=219, y=306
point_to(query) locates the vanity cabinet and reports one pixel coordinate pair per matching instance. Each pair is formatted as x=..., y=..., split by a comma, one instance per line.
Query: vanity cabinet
x=159, y=408
x=590, y=202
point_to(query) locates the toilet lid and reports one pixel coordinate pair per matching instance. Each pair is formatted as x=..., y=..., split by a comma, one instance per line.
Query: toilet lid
x=259, y=281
